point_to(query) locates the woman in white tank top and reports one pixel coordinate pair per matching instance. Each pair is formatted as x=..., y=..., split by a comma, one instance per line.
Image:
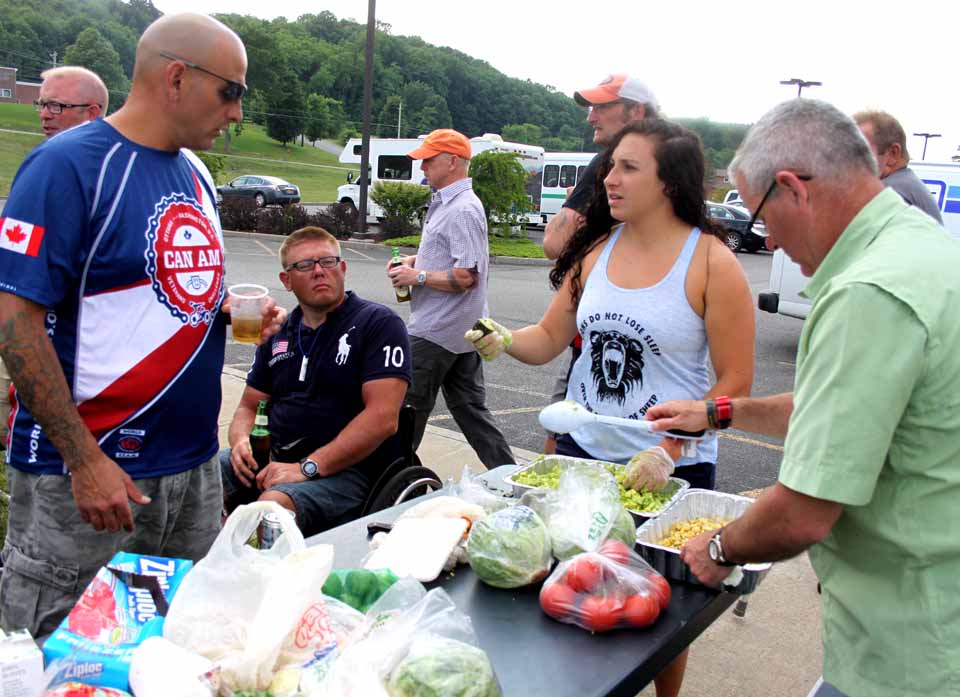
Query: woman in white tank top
x=652, y=298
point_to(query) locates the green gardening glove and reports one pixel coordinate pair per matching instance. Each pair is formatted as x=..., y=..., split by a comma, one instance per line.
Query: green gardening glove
x=490, y=338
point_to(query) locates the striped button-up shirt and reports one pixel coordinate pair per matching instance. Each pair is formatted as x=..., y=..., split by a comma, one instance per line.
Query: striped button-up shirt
x=454, y=237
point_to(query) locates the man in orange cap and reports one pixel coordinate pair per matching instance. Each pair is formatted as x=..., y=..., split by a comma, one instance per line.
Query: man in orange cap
x=448, y=276
x=615, y=102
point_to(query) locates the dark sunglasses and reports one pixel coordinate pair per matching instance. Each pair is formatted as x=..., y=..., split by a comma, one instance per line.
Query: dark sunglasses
x=305, y=265
x=232, y=92
x=773, y=185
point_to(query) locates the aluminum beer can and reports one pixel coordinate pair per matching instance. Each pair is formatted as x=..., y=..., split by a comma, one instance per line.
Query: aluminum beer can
x=271, y=528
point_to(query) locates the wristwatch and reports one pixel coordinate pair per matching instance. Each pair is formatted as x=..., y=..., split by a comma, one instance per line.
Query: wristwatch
x=309, y=468
x=715, y=550
x=421, y=278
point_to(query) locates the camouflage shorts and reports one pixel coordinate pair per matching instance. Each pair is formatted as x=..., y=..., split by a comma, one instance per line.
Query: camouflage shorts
x=51, y=554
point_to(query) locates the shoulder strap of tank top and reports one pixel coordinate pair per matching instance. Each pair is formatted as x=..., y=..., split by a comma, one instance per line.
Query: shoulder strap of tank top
x=686, y=254
x=601, y=264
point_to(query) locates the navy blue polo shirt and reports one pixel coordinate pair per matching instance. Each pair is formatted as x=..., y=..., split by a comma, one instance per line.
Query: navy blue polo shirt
x=358, y=342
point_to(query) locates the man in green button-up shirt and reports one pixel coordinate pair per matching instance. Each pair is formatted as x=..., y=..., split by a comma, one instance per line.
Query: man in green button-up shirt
x=870, y=479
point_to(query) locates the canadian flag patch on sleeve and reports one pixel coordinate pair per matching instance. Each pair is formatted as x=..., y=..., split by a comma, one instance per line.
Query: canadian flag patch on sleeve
x=20, y=237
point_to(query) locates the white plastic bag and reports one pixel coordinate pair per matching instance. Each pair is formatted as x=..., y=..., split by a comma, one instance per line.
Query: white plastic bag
x=238, y=604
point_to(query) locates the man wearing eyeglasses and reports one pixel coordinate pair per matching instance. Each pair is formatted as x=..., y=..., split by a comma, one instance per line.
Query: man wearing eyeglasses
x=335, y=376
x=70, y=95
x=871, y=463
x=112, y=325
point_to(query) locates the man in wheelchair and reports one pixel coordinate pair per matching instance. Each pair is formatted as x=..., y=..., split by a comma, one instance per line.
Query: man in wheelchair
x=335, y=376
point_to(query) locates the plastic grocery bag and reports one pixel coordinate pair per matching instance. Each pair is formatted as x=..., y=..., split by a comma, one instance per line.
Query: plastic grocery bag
x=472, y=490
x=510, y=548
x=238, y=604
x=583, y=511
x=426, y=648
x=611, y=588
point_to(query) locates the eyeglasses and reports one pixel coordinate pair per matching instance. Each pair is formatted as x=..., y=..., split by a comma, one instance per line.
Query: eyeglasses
x=58, y=107
x=773, y=185
x=305, y=265
x=232, y=92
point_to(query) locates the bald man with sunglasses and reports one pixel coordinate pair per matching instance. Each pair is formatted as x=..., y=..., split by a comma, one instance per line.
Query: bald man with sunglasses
x=113, y=325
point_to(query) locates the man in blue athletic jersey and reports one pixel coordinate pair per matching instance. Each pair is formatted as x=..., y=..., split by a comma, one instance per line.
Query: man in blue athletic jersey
x=112, y=327
x=335, y=375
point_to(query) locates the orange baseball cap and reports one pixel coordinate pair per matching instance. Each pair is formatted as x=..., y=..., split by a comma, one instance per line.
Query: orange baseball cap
x=616, y=87
x=442, y=140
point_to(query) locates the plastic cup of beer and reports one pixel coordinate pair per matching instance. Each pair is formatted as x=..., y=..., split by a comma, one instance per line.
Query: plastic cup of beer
x=246, y=311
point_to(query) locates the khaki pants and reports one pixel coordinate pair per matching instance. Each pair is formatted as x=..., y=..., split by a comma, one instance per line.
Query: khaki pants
x=51, y=554
x=4, y=401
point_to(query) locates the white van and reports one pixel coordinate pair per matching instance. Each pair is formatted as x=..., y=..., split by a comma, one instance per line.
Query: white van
x=389, y=162
x=786, y=280
x=561, y=170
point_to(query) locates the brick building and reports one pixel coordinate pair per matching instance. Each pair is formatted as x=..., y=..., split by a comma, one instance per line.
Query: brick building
x=14, y=91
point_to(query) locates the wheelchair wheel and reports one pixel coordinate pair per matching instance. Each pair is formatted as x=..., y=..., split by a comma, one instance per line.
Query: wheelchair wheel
x=406, y=484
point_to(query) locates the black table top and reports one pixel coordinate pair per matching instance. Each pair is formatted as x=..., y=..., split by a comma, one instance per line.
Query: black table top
x=535, y=656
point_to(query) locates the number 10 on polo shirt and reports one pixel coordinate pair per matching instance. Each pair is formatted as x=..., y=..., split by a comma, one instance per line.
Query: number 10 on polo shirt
x=246, y=312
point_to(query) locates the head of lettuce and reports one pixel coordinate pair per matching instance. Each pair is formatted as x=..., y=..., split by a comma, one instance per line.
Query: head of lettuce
x=510, y=548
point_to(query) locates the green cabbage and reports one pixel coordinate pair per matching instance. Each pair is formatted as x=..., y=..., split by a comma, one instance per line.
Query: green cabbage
x=510, y=548
x=440, y=667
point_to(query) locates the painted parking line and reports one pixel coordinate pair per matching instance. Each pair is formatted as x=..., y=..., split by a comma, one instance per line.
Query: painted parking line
x=518, y=390
x=498, y=412
x=357, y=252
x=265, y=248
x=753, y=441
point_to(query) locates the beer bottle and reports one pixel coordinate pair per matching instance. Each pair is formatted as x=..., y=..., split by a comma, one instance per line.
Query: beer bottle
x=403, y=292
x=260, y=436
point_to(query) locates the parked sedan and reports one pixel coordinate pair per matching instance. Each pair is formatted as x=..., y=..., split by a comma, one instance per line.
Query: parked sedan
x=262, y=190
x=733, y=222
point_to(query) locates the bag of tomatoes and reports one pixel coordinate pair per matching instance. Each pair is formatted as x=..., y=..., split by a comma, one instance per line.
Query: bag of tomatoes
x=608, y=589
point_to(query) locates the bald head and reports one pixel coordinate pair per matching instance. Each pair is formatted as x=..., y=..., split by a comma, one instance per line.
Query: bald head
x=193, y=37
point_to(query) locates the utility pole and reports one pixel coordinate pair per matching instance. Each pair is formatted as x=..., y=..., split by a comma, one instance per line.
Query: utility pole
x=399, y=118
x=926, y=137
x=367, y=99
x=800, y=83
x=53, y=58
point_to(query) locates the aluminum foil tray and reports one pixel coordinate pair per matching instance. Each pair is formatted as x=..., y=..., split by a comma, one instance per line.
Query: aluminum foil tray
x=544, y=463
x=695, y=503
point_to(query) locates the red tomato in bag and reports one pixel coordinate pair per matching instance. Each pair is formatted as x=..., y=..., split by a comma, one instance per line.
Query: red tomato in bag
x=601, y=614
x=615, y=550
x=585, y=573
x=641, y=610
x=662, y=588
x=558, y=600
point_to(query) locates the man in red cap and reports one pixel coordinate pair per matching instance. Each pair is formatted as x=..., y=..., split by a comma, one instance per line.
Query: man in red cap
x=448, y=276
x=611, y=105
x=615, y=102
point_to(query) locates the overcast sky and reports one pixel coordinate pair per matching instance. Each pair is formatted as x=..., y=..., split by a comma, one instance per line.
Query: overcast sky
x=722, y=60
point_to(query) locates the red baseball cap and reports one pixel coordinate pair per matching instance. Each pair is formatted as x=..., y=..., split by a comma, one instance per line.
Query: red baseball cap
x=616, y=87
x=442, y=140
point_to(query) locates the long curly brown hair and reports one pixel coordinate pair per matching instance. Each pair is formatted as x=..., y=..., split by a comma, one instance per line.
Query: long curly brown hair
x=680, y=167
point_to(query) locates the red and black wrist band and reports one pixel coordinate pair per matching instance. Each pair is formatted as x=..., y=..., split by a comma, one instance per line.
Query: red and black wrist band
x=719, y=412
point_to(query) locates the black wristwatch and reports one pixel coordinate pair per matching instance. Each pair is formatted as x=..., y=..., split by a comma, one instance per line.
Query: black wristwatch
x=715, y=550
x=309, y=468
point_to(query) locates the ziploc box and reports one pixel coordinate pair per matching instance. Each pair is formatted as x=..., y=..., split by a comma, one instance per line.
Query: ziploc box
x=125, y=603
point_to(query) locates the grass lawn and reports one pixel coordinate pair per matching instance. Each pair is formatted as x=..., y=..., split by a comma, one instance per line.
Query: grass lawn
x=13, y=148
x=499, y=246
x=20, y=117
x=316, y=172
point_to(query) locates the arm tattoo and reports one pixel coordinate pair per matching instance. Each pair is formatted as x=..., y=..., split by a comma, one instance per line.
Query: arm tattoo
x=35, y=370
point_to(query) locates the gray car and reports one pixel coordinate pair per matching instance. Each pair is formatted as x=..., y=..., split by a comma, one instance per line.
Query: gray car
x=263, y=191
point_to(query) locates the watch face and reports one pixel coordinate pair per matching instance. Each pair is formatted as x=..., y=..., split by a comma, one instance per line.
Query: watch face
x=712, y=549
x=308, y=468
x=422, y=277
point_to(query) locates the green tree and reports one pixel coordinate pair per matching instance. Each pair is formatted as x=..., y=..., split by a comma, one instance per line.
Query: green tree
x=499, y=182
x=95, y=53
x=324, y=118
x=528, y=133
x=285, y=109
